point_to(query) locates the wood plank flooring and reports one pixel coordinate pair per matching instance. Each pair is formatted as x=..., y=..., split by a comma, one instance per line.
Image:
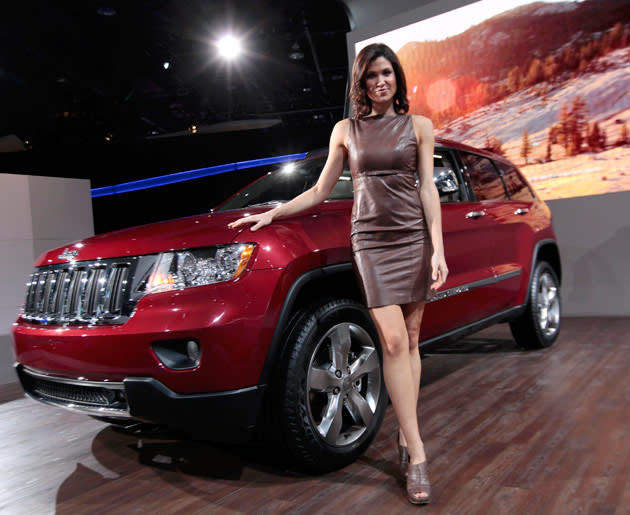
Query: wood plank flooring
x=506, y=432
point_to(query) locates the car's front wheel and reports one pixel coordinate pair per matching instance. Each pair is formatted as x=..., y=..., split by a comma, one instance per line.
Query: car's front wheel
x=539, y=325
x=331, y=396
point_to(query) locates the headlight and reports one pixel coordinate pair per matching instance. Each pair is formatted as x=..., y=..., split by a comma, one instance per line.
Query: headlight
x=198, y=267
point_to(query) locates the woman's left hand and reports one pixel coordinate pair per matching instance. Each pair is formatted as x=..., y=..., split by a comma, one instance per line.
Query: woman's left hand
x=439, y=270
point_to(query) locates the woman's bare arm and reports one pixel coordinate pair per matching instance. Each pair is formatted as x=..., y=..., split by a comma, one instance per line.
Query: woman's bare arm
x=318, y=193
x=430, y=197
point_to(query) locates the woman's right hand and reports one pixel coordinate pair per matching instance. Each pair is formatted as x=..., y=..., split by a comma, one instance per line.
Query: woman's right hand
x=259, y=221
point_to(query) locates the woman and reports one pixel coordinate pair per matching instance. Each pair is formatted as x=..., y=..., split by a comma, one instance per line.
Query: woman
x=396, y=234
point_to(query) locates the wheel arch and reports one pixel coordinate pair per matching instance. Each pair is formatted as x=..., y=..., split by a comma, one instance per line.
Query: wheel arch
x=545, y=250
x=323, y=282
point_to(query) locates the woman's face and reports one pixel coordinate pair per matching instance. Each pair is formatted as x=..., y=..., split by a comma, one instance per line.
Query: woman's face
x=380, y=81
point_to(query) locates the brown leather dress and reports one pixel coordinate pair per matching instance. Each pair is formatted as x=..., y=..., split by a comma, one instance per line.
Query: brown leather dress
x=391, y=247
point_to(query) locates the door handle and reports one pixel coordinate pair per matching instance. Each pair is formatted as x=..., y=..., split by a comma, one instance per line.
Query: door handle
x=475, y=214
x=521, y=211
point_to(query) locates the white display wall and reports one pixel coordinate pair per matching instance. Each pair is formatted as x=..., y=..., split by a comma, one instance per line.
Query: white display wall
x=594, y=238
x=36, y=214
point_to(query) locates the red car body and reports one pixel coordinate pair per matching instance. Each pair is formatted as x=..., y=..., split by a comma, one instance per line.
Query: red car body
x=239, y=324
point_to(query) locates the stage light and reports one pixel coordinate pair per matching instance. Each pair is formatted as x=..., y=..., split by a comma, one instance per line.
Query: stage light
x=288, y=168
x=229, y=47
x=166, y=65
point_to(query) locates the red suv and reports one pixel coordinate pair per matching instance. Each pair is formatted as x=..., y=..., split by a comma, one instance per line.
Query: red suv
x=235, y=335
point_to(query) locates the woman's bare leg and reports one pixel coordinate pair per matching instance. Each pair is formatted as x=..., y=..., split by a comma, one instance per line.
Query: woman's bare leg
x=412, y=313
x=400, y=378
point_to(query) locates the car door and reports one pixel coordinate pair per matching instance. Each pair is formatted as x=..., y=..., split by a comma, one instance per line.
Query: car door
x=490, y=190
x=468, y=232
x=516, y=219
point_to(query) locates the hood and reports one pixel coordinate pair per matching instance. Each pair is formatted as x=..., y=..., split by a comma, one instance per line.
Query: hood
x=181, y=233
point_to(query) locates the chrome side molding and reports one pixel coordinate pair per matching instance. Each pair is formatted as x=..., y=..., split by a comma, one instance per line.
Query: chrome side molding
x=475, y=284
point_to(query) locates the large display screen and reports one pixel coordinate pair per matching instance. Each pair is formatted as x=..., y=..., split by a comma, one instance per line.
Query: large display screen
x=546, y=84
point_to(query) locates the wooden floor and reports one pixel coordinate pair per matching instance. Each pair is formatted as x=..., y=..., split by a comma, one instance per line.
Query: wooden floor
x=506, y=432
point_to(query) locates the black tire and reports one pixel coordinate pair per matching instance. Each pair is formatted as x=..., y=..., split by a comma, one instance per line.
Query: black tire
x=311, y=385
x=539, y=325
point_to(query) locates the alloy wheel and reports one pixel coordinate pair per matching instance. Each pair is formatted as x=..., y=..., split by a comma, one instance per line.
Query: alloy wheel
x=548, y=305
x=343, y=384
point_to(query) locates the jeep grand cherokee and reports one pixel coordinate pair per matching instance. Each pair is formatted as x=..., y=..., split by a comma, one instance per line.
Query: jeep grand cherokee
x=237, y=335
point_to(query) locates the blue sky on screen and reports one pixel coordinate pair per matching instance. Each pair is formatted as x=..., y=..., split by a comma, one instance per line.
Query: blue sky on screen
x=447, y=24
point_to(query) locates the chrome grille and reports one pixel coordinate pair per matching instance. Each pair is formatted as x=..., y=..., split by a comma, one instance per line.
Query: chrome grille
x=103, y=291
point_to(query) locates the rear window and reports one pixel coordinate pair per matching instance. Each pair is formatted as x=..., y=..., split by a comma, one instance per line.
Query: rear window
x=484, y=177
x=516, y=187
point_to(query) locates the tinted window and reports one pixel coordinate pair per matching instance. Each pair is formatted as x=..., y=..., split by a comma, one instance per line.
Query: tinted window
x=516, y=187
x=484, y=177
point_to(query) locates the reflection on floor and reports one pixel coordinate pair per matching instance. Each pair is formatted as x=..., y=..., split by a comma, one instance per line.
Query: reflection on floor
x=506, y=431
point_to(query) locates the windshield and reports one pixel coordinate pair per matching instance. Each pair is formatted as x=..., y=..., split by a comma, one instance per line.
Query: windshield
x=287, y=182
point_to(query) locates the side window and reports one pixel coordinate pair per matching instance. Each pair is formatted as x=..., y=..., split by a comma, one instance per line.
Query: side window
x=484, y=177
x=445, y=177
x=516, y=187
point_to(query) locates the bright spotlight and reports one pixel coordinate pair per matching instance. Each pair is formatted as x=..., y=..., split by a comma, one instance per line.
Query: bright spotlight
x=288, y=168
x=229, y=47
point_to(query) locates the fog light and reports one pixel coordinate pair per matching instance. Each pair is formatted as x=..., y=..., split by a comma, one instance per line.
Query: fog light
x=193, y=350
x=178, y=354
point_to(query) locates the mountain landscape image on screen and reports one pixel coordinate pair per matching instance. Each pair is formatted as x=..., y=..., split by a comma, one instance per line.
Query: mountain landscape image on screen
x=544, y=84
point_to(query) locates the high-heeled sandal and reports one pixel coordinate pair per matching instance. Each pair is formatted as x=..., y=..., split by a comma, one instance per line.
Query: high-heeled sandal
x=403, y=456
x=418, y=483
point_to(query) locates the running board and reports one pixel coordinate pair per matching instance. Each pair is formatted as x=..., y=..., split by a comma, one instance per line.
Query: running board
x=460, y=332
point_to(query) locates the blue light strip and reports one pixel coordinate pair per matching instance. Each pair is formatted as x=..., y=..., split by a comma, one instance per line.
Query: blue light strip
x=172, y=178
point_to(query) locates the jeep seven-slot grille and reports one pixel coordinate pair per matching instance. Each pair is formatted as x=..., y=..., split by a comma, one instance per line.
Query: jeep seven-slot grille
x=81, y=292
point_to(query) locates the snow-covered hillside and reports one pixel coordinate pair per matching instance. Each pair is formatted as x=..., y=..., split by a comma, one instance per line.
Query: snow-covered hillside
x=606, y=93
x=582, y=175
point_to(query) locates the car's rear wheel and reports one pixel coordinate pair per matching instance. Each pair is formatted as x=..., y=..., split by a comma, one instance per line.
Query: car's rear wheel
x=331, y=394
x=539, y=325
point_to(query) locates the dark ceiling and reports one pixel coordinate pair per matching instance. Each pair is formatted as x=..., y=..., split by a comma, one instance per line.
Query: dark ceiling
x=87, y=77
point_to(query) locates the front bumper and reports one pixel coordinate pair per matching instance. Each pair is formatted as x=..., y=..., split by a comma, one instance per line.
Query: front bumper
x=233, y=323
x=228, y=416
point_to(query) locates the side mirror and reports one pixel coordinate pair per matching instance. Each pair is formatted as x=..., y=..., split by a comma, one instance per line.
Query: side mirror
x=445, y=181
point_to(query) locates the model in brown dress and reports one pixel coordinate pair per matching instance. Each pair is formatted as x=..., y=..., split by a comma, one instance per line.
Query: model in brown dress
x=391, y=247
x=396, y=231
